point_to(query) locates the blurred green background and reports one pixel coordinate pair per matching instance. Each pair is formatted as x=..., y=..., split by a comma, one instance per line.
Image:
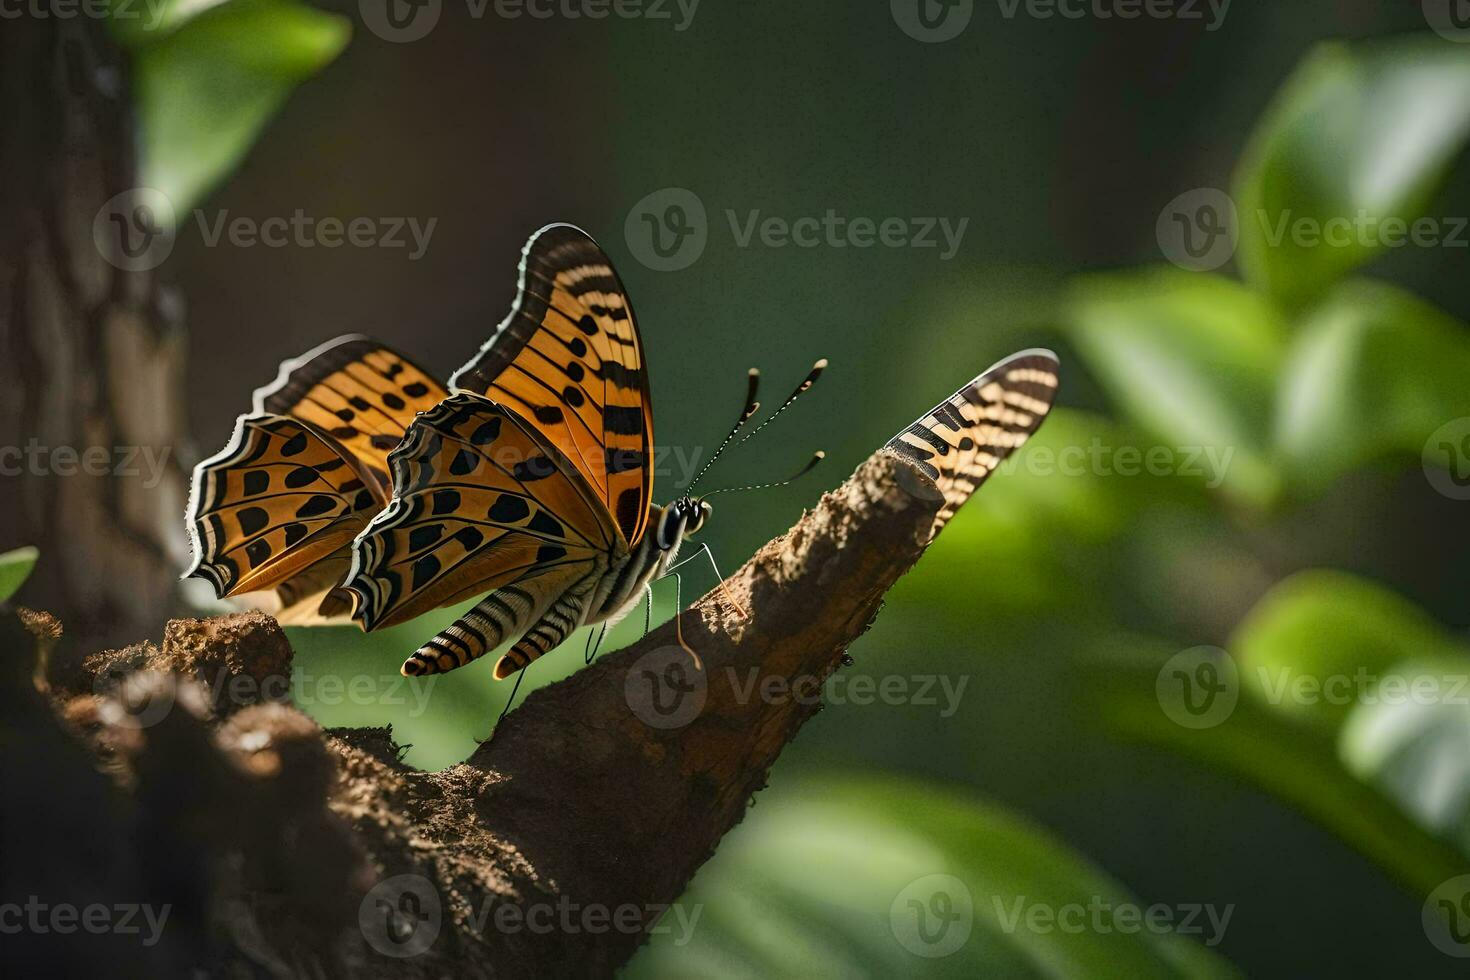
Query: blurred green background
x=1327, y=383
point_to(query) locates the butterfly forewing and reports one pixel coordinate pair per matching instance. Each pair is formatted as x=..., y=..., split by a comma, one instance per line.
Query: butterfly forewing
x=965, y=437
x=480, y=500
x=569, y=360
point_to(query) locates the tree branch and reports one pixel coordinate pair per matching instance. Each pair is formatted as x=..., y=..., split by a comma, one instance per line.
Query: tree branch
x=553, y=848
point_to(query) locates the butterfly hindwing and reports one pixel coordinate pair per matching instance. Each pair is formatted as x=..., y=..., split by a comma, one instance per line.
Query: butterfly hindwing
x=480, y=500
x=965, y=437
x=569, y=360
x=281, y=497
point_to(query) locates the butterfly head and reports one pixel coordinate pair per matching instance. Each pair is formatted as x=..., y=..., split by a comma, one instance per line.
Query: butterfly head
x=680, y=519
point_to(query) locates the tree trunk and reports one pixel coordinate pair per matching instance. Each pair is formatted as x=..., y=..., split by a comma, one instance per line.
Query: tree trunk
x=91, y=350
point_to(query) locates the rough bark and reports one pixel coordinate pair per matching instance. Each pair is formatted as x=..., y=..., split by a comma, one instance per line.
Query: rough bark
x=287, y=850
x=91, y=355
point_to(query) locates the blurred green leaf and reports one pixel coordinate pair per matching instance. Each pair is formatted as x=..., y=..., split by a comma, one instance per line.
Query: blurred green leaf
x=1413, y=741
x=1374, y=370
x=1365, y=129
x=135, y=23
x=1320, y=637
x=209, y=77
x=1295, y=762
x=1193, y=358
x=835, y=876
x=15, y=568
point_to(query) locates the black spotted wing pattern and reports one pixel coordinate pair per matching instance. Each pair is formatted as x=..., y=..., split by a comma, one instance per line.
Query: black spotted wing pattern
x=480, y=500
x=569, y=360
x=281, y=497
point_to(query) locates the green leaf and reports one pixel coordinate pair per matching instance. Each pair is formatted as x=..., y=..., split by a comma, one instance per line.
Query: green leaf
x=819, y=878
x=15, y=568
x=1297, y=764
x=1319, y=638
x=1192, y=358
x=1373, y=371
x=1367, y=129
x=210, y=78
x=1412, y=742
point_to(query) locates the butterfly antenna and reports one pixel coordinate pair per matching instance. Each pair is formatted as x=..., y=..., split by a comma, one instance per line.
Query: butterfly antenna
x=811, y=464
x=751, y=407
x=807, y=382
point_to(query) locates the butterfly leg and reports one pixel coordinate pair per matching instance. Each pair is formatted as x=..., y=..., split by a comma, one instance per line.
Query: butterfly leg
x=679, y=622
x=590, y=653
x=520, y=676
x=704, y=549
x=647, y=608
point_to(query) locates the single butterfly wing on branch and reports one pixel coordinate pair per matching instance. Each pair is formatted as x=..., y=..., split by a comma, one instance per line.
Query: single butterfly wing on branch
x=274, y=514
x=568, y=360
x=965, y=437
